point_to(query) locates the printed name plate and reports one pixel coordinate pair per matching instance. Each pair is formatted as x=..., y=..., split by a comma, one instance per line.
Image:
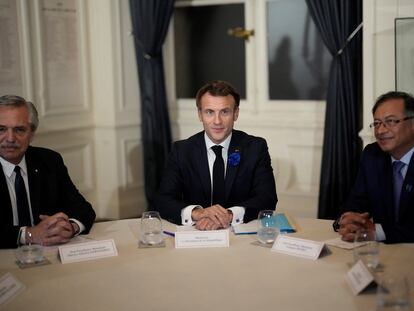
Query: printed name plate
x=199, y=239
x=10, y=287
x=359, y=277
x=87, y=251
x=297, y=247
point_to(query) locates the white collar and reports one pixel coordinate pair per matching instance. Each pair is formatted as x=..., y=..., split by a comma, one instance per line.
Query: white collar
x=8, y=168
x=225, y=143
x=405, y=158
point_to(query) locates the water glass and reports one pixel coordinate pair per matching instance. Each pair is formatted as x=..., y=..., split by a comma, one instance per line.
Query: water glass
x=267, y=230
x=28, y=253
x=366, y=248
x=151, y=228
x=393, y=293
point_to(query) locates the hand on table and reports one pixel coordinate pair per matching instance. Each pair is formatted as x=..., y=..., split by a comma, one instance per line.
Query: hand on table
x=351, y=222
x=212, y=218
x=55, y=229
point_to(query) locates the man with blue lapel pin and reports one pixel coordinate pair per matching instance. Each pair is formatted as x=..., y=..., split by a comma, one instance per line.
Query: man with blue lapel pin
x=38, y=201
x=383, y=197
x=220, y=176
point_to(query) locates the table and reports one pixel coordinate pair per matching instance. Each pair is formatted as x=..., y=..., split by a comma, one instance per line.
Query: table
x=244, y=276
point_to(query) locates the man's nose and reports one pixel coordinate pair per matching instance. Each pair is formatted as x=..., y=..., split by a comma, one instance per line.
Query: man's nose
x=217, y=118
x=10, y=135
x=381, y=128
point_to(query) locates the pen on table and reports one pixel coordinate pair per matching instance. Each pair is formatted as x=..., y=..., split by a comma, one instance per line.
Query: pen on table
x=169, y=233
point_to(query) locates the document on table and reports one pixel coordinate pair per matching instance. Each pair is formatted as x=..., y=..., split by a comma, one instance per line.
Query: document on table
x=284, y=223
x=338, y=242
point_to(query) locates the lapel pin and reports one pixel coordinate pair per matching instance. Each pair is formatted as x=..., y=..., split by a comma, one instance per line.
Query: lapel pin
x=409, y=187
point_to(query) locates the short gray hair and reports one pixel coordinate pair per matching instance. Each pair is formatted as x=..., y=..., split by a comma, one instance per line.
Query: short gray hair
x=17, y=101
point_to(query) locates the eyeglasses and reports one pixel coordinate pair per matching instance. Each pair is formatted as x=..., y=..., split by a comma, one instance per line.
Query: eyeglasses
x=388, y=123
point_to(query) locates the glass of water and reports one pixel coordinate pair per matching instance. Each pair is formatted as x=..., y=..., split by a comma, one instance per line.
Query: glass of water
x=151, y=228
x=267, y=227
x=366, y=248
x=28, y=253
x=393, y=293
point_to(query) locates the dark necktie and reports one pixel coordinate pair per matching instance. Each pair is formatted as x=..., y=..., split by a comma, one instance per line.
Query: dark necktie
x=21, y=199
x=218, y=176
x=397, y=182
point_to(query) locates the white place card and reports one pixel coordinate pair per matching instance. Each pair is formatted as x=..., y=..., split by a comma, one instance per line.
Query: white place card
x=200, y=239
x=359, y=277
x=87, y=251
x=297, y=247
x=10, y=287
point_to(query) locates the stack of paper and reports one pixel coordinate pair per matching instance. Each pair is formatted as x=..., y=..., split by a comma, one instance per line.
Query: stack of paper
x=282, y=221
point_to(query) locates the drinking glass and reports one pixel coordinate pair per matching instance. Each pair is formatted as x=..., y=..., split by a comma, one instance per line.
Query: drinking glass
x=151, y=228
x=393, y=293
x=28, y=253
x=267, y=227
x=366, y=248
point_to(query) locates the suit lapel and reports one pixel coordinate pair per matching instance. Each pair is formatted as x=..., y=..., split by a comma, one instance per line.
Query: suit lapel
x=385, y=189
x=232, y=169
x=34, y=172
x=200, y=162
x=407, y=189
x=6, y=212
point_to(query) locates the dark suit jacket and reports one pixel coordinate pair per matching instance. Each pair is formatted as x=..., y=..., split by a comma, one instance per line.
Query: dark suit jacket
x=51, y=191
x=373, y=193
x=186, y=179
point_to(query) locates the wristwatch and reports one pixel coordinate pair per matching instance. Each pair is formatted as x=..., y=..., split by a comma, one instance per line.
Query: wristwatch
x=337, y=224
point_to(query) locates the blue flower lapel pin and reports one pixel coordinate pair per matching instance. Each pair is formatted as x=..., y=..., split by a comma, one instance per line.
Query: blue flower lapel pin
x=234, y=158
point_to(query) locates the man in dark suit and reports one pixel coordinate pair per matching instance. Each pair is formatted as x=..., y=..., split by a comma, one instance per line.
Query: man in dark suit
x=382, y=199
x=39, y=203
x=194, y=191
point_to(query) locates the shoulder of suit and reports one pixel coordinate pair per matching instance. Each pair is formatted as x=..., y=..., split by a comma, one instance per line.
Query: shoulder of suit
x=373, y=151
x=42, y=153
x=243, y=137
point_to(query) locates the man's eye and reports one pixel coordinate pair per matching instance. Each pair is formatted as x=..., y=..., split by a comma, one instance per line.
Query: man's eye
x=390, y=121
x=2, y=129
x=20, y=130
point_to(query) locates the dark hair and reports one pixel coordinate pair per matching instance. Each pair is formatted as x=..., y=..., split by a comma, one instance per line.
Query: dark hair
x=17, y=101
x=218, y=88
x=408, y=101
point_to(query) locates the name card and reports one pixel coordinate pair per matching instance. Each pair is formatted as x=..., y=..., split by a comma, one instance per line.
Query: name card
x=87, y=251
x=200, y=239
x=359, y=277
x=297, y=247
x=10, y=287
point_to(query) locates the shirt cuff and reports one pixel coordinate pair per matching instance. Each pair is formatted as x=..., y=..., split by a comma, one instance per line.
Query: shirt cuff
x=238, y=215
x=379, y=233
x=186, y=219
x=80, y=225
x=22, y=236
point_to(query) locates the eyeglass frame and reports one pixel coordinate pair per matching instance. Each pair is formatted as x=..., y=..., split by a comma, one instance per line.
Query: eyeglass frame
x=388, y=123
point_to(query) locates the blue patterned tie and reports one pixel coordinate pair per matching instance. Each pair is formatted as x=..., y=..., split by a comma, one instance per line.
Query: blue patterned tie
x=398, y=182
x=21, y=199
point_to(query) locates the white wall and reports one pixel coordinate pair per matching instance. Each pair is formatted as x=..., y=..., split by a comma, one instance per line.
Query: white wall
x=99, y=135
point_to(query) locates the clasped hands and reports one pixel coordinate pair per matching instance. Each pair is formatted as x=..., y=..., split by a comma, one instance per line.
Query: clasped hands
x=351, y=222
x=55, y=229
x=212, y=218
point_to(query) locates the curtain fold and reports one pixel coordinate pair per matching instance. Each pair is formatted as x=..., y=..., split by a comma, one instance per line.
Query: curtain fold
x=150, y=20
x=336, y=20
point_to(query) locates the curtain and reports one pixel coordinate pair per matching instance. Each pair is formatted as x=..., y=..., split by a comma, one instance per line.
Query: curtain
x=336, y=20
x=150, y=20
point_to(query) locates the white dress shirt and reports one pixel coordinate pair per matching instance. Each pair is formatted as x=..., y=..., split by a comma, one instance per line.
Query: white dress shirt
x=379, y=231
x=238, y=211
x=9, y=173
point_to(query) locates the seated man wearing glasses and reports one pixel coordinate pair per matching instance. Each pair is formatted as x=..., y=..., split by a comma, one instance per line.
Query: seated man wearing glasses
x=39, y=203
x=382, y=198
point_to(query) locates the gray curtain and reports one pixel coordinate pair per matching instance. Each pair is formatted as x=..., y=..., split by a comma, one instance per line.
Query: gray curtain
x=336, y=20
x=150, y=20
